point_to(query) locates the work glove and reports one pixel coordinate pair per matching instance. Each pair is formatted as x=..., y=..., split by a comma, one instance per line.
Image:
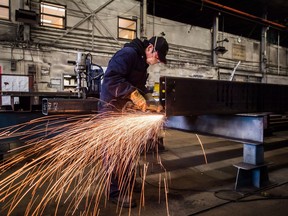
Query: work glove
x=152, y=104
x=138, y=100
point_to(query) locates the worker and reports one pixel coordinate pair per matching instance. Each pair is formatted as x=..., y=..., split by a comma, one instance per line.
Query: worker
x=125, y=82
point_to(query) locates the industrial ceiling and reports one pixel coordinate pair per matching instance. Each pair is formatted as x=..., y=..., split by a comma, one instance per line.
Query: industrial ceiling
x=239, y=17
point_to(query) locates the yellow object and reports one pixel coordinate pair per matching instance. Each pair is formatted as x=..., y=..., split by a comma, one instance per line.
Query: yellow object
x=156, y=87
x=138, y=100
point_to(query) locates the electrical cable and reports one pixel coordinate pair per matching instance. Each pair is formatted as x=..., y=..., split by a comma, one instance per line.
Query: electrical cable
x=179, y=189
x=239, y=200
x=238, y=196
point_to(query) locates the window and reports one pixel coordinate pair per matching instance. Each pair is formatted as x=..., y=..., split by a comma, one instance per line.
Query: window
x=53, y=15
x=127, y=28
x=4, y=9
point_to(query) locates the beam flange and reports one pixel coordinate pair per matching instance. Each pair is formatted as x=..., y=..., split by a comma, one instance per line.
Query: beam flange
x=240, y=128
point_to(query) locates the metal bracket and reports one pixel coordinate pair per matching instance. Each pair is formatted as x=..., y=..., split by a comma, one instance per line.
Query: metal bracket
x=248, y=175
x=241, y=128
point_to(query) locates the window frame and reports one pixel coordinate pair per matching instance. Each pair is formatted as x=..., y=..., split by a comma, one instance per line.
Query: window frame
x=52, y=15
x=127, y=29
x=9, y=10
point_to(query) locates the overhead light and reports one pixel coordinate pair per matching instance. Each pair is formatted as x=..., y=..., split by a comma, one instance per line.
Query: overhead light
x=220, y=50
x=224, y=40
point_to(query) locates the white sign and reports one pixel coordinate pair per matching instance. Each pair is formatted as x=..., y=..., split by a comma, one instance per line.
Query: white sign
x=6, y=100
x=15, y=83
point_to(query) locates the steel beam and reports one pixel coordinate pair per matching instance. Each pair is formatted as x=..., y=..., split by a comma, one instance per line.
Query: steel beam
x=213, y=107
x=54, y=106
x=83, y=20
x=241, y=128
x=187, y=96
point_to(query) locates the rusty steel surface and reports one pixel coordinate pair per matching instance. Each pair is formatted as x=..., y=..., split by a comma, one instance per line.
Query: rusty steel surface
x=187, y=96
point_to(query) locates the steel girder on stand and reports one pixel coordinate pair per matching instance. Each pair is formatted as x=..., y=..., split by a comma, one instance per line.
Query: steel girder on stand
x=248, y=129
x=232, y=110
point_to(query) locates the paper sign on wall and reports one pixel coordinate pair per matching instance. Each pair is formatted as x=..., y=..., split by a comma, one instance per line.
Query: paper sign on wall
x=15, y=83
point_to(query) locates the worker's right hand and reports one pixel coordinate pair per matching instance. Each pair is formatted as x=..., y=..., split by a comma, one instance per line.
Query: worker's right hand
x=138, y=100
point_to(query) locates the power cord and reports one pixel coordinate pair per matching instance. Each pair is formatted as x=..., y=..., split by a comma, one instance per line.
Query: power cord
x=179, y=189
x=240, y=197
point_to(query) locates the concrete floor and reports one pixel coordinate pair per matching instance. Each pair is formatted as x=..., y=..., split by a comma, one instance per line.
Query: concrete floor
x=196, y=188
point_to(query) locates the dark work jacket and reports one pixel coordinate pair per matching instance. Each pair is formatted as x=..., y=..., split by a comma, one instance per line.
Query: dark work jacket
x=126, y=72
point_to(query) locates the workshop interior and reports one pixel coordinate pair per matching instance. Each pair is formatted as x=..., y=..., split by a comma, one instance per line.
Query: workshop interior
x=223, y=90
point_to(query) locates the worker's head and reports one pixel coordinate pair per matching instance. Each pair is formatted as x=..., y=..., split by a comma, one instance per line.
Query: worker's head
x=157, y=50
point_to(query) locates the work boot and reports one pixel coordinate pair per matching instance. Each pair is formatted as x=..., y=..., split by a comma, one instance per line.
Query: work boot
x=124, y=201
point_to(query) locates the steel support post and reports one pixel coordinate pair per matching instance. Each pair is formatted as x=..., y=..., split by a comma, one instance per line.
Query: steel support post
x=253, y=171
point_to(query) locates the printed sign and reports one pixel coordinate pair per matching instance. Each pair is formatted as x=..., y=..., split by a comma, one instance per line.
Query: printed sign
x=238, y=52
x=14, y=83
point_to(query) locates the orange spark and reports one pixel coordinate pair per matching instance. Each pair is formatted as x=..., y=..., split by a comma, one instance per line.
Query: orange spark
x=74, y=157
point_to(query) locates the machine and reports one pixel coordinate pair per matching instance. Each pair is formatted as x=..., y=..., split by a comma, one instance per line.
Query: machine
x=89, y=76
